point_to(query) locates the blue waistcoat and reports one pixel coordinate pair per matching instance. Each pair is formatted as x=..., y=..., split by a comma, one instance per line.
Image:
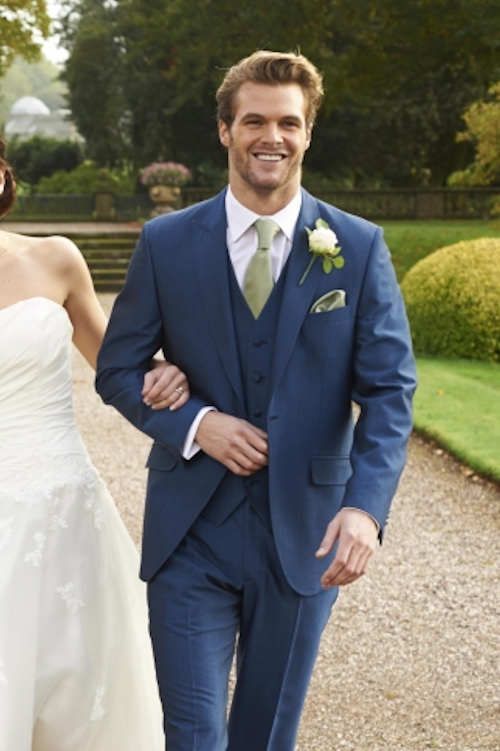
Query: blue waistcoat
x=255, y=344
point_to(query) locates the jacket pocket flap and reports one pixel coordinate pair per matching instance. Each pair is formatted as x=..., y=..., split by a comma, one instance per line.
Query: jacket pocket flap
x=330, y=470
x=161, y=458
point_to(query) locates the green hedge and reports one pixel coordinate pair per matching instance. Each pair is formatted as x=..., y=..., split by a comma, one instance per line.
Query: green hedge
x=87, y=178
x=453, y=301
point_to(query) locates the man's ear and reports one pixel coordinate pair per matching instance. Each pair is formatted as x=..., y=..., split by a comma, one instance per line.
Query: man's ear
x=224, y=136
x=309, y=136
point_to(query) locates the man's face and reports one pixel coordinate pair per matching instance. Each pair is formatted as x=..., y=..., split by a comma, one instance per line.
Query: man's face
x=266, y=141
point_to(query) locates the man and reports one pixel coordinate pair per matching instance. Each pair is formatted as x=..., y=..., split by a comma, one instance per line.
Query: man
x=261, y=498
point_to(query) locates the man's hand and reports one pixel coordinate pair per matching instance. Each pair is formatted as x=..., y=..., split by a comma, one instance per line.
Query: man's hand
x=237, y=444
x=165, y=386
x=357, y=535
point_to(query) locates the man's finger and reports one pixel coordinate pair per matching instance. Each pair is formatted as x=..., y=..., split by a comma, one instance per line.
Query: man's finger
x=257, y=442
x=251, y=462
x=328, y=540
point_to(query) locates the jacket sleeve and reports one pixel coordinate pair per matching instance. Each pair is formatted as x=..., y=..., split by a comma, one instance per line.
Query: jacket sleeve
x=384, y=381
x=133, y=336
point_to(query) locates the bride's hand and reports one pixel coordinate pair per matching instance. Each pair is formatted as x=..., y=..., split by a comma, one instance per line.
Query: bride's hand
x=165, y=386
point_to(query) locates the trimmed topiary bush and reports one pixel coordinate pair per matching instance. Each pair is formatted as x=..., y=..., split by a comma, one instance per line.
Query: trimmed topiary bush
x=453, y=301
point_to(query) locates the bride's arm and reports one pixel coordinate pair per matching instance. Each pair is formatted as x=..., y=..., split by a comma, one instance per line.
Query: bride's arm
x=89, y=324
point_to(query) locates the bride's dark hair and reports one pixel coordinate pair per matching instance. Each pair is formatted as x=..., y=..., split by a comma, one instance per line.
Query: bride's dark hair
x=8, y=196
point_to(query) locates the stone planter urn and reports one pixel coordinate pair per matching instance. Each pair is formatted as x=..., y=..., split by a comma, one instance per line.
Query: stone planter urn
x=166, y=198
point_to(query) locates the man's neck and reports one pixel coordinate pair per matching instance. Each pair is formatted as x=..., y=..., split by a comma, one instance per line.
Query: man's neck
x=266, y=203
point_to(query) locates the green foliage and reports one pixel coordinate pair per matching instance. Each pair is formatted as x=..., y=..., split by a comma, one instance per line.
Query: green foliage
x=410, y=241
x=457, y=403
x=398, y=76
x=20, y=23
x=40, y=157
x=40, y=79
x=483, y=130
x=88, y=178
x=453, y=301
x=94, y=74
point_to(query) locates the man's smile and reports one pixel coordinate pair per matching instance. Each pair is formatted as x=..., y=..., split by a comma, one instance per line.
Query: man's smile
x=263, y=157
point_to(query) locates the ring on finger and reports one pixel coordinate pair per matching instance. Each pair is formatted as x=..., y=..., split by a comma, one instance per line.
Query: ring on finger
x=179, y=390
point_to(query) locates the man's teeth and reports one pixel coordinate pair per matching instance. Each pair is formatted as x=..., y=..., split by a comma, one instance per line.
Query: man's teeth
x=270, y=157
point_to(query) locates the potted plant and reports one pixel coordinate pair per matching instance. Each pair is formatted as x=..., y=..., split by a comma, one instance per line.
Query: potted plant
x=164, y=180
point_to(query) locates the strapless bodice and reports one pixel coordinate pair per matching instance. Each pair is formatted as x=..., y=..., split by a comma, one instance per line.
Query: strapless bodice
x=36, y=408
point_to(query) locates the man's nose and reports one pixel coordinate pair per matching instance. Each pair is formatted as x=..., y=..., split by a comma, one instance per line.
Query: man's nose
x=272, y=134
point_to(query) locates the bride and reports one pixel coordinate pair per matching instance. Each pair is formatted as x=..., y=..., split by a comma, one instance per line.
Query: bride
x=76, y=668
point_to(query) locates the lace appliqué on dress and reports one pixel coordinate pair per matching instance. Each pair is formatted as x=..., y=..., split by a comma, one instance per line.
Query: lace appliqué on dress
x=68, y=594
x=98, y=711
x=35, y=556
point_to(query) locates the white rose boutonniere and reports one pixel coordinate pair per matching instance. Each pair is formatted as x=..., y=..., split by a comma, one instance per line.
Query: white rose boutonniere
x=323, y=244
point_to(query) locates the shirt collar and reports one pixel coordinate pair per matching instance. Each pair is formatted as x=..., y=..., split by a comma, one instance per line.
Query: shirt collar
x=239, y=218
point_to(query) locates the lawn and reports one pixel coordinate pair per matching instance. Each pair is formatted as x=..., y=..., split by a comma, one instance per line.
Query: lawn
x=458, y=404
x=409, y=241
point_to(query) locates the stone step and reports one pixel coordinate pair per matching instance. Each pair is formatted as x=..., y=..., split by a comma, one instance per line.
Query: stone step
x=115, y=264
x=102, y=245
x=107, y=253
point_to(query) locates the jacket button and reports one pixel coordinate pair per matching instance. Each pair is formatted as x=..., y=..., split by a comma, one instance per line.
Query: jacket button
x=257, y=377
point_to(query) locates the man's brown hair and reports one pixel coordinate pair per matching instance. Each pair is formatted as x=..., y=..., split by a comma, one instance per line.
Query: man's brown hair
x=271, y=68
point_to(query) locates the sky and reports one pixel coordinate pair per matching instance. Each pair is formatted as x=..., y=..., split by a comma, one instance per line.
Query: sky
x=51, y=48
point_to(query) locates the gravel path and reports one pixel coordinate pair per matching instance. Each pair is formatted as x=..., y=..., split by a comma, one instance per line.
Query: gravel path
x=408, y=660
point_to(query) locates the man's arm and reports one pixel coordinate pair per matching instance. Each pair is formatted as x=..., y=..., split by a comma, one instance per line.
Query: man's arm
x=133, y=336
x=384, y=383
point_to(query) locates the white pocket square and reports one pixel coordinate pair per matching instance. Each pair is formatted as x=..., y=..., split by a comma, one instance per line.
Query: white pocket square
x=331, y=301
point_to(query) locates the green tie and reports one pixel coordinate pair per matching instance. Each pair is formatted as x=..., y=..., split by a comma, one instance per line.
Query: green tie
x=258, y=282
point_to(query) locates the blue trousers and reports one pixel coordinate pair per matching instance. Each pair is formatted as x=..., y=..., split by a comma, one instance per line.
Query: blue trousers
x=224, y=589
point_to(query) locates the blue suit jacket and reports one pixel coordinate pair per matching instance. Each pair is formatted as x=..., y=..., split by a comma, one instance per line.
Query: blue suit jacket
x=176, y=298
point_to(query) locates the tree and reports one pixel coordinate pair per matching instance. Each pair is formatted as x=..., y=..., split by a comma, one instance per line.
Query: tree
x=94, y=76
x=398, y=77
x=482, y=119
x=403, y=74
x=22, y=22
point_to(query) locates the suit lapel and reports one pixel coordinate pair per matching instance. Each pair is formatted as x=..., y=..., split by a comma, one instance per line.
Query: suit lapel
x=297, y=299
x=212, y=272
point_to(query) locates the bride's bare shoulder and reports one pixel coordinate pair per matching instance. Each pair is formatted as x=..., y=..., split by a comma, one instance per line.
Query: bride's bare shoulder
x=57, y=252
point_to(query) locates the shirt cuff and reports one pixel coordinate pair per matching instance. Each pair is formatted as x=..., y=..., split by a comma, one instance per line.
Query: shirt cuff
x=362, y=511
x=190, y=447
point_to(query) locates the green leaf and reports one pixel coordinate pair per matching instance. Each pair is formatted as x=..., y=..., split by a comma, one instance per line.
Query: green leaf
x=327, y=265
x=320, y=223
x=338, y=262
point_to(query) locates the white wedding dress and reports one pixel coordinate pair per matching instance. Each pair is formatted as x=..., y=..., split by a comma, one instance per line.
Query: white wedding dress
x=76, y=668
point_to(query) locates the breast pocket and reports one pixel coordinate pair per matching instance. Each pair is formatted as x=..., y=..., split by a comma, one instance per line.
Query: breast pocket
x=331, y=316
x=323, y=335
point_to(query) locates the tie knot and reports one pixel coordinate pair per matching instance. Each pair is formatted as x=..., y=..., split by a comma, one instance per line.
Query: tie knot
x=266, y=230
